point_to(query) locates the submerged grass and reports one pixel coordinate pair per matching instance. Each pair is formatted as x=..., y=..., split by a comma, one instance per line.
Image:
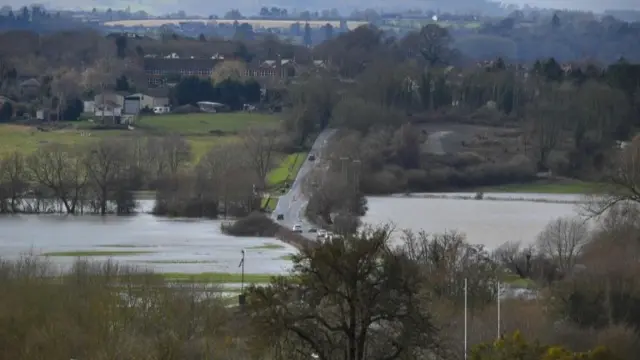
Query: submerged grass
x=94, y=253
x=218, y=278
x=267, y=246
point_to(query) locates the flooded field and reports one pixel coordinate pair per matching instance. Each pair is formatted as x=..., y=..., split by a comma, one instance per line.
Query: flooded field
x=487, y=222
x=198, y=246
x=165, y=245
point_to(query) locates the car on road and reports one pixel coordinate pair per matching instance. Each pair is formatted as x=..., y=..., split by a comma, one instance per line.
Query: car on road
x=297, y=228
x=312, y=157
x=280, y=217
x=312, y=230
x=322, y=234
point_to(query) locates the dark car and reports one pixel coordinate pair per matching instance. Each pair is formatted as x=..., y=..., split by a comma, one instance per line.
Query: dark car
x=313, y=230
x=312, y=157
x=280, y=217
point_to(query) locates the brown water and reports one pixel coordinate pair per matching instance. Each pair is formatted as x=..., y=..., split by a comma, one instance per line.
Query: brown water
x=486, y=222
x=196, y=246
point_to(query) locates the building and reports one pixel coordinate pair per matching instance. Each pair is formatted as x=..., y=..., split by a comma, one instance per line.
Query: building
x=109, y=97
x=135, y=102
x=161, y=71
x=279, y=68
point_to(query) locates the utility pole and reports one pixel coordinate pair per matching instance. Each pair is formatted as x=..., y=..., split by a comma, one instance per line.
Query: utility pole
x=499, y=293
x=465, y=318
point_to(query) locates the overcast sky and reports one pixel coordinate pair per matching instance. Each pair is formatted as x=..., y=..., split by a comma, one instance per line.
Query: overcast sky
x=251, y=6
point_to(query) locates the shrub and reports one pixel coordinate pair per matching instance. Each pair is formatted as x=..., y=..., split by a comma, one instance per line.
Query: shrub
x=255, y=224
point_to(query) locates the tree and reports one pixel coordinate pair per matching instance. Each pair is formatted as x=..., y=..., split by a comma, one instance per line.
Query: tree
x=14, y=182
x=308, y=41
x=350, y=299
x=260, y=147
x=6, y=111
x=234, y=70
x=121, y=46
x=434, y=44
x=65, y=85
x=622, y=182
x=106, y=163
x=446, y=260
x=60, y=169
x=562, y=240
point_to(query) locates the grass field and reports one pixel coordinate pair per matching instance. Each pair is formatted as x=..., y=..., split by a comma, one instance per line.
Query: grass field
x=201, y=130
x=577, y=187
x=264, y=23
x=205, y=124
x=218, y=278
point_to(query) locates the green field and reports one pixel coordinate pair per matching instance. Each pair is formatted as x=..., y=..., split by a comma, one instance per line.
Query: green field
x=205, y=123
x=217, y=278
x=287, y=170
x=267, y=246
x=201, y=130
x=577, y=187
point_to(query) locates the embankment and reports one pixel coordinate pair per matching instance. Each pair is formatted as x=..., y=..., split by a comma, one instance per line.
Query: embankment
x=485, y=197
x=258, y=224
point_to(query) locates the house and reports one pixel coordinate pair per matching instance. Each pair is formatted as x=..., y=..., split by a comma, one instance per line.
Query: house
x=162, y=70
x=108, y=97
x=30, y=86
x=108, y=111
x=88, y=106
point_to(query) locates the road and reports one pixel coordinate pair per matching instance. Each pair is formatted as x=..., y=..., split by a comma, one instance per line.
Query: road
x=434, y=142
x=292, y=204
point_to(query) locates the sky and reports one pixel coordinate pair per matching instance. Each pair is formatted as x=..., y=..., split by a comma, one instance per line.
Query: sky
x=221, y=6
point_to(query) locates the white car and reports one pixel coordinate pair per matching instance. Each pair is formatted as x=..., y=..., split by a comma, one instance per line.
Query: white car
x=297, y=228
x=322, y=234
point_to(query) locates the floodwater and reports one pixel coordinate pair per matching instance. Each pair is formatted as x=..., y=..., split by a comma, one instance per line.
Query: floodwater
x=196, y=246
x=487, y=222
x=172, y=245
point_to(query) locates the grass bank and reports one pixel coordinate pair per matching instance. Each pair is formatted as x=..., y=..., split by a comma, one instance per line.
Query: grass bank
x=217, y=278
x=206, y=123
x=287, y=169
x=571, y=187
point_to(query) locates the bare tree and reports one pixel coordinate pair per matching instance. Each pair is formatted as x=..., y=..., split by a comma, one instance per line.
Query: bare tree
x=446, y=260
x=229, y=70
x=102, y=76
x=260, y=147
x=64, y=85
x=14, y=182
x=227, y=170
x=623, y=183
x=562, y=241
x=106, y=163
x=60, y=169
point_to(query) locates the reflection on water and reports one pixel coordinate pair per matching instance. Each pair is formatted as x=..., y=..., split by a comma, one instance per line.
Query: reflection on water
x=487, y=222
x=178, y=245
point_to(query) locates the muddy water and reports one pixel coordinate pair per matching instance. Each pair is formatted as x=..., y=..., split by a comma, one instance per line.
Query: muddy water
x=196, y=246
x=487, y=222
x=192, y=246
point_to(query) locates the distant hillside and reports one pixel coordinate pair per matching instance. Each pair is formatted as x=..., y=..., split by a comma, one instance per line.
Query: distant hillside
x=201, y=7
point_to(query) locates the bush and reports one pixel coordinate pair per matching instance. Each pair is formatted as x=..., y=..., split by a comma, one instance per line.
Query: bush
x=255, y=224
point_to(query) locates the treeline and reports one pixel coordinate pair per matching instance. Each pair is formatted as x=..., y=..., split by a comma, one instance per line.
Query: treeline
x=566, y=118
x=102, y=177
x=233, y=93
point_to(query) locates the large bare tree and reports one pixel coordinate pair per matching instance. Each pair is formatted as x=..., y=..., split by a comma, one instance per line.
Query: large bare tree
x=260, y=148
x=106, y=164
x=60, y=168
x=64, y=85
x=562, y=241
